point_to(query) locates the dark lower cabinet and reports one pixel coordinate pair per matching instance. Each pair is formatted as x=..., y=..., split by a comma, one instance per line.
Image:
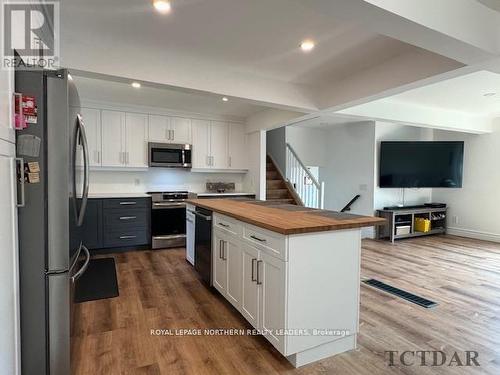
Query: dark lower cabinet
x=92, y=228
x=117, y=223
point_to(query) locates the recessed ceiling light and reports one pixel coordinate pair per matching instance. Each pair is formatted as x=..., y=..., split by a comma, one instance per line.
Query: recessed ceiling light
x=162, y=6
x=307, y=45
x=136, y=85
x=490, y=94
x=225, y=99
x=70, y=77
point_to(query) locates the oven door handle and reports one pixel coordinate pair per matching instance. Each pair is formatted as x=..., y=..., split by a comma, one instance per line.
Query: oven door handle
x=168, y=205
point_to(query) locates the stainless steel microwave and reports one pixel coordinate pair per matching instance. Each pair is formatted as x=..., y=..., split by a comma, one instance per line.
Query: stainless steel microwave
x=169, y=155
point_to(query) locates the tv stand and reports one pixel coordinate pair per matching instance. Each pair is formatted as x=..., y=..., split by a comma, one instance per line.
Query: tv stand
x=401, y=222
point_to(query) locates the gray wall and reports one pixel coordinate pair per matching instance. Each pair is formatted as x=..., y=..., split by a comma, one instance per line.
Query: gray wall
x=276, y=146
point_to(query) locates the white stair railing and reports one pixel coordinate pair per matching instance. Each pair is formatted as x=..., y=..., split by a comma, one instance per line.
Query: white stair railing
x=307, y=187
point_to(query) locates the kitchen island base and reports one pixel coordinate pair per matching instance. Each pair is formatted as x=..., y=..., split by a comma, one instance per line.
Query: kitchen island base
x=323, y=351
x=301, y=290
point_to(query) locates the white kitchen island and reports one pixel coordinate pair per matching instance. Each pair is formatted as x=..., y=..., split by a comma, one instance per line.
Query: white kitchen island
x=290, y=274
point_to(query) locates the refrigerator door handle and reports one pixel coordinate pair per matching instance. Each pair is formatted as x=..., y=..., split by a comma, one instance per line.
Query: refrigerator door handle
x=75, y=260
x=23, y=197
x=79, y=135
x=82, y=270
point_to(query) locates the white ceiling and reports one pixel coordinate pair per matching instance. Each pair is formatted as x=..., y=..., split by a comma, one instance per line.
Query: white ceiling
x=325, y=122
x=249, y=49
x=492, y=4
x=109, y=91
x=252, y=37
x=461, y=94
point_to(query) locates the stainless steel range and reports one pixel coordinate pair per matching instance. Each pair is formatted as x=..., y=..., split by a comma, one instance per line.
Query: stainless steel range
x=168, y=219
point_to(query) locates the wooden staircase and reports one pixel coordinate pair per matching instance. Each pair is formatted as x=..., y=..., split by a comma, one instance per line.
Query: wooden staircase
x=277, y=188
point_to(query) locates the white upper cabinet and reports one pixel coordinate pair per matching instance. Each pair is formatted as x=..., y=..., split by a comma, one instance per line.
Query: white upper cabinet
x=92, y=121
x=236, y=146
x=218, y=144
x=169, y=129
x=201, y=144
x=113, y=139
x=7, y=105
x=180, y=130
x=136, y=135
x=159, y=128
x=120, y=139
x=211, y=145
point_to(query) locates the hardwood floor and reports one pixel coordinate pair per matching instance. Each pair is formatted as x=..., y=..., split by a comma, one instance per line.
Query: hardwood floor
x=160, y=290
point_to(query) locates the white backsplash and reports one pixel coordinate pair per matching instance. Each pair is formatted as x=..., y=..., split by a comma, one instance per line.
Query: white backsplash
x=108, y=181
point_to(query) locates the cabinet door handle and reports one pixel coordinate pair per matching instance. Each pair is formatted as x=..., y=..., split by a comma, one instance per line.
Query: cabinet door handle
x=128, y=217
x=259, y=281
x=127, y=203
x=98, y=157
x=127, y=157
x=173, y=134
x=131, y=237
x=224, y=225
x=254, y=260
x=258, y=239
x=224, y=249
x=230, y=162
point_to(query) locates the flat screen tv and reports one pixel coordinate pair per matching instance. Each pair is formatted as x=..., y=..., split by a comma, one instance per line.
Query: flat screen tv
x=421, y=164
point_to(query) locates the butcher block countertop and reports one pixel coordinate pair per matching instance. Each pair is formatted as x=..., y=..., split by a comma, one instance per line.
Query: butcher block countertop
x=286, y=219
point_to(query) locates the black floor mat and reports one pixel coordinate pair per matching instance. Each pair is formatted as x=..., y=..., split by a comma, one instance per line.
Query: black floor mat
x=98, y=282
x=401, y=293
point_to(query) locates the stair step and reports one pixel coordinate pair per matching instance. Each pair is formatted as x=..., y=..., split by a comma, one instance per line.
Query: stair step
x=275, y=184
x=277, y=193
x=272, y=175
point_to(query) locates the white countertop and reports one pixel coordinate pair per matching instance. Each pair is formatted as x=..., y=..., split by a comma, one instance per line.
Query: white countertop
x=232, y=194
x=144, y=195
x=117, y=195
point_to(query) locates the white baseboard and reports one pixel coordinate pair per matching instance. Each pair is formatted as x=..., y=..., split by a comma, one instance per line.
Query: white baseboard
x=485, y=236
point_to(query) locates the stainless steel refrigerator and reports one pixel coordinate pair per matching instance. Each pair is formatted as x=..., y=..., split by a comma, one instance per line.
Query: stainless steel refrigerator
x=50, y=259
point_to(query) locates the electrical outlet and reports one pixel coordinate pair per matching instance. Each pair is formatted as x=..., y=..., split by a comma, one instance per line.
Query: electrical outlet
x=455, y=219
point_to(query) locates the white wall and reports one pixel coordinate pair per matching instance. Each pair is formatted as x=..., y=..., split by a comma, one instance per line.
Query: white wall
x=349, y=168
x=276, y=146
x=474, y=210
x=255, y=179
x=157, y=179
x=270, y=118
x=391, y=197
x=309, y=143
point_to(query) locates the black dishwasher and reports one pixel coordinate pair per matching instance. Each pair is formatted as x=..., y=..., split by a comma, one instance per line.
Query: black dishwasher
x=203, y=244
